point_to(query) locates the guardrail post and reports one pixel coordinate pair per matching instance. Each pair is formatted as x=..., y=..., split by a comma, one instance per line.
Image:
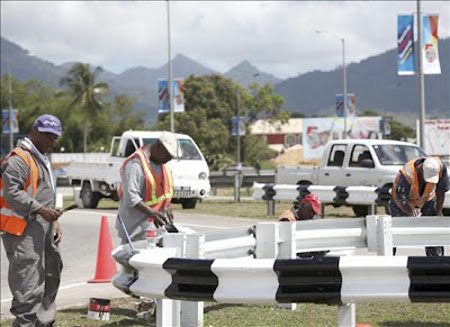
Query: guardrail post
x=371, y=228
x=266, y=240
x=287, y=250
x=268, y=196
x=192, y=311
x=347, y=315
x=384, y=236
x=168, y=311
x=237, y=186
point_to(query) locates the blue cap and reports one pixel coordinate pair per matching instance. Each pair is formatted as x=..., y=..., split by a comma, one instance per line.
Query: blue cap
x=48, y=124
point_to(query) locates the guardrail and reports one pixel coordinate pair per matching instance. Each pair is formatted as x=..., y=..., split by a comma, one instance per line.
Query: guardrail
x=369, y=196
x=246, y=178
x=267, y=241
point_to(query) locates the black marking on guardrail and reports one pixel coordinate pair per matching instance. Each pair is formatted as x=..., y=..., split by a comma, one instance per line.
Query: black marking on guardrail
x=192, y=279
x=341, y=195
x=269, y=192
x=429, y=279
x=302, y=192
x=308, y=280
x=383, y=195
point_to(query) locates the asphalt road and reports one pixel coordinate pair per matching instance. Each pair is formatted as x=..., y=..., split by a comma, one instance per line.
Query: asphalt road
x=79, y=248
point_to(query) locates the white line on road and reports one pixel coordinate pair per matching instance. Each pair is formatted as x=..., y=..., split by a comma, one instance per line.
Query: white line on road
x=61, y=288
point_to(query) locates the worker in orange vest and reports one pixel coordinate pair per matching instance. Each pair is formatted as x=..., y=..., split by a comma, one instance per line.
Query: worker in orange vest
x=147, y=187
x=419, y=190
x=29, y=222
x=308, y=208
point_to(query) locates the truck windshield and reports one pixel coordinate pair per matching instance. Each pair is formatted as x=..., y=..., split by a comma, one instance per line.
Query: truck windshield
x=396, y=154
x=188, y=149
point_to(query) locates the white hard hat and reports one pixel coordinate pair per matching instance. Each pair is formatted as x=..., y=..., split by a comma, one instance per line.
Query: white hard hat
x=431, y=170
x=170, y=142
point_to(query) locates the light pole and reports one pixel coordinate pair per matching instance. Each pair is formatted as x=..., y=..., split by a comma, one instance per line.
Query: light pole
x=421, y=80
x=344, y=68
x=172, y=128
x=11, y=133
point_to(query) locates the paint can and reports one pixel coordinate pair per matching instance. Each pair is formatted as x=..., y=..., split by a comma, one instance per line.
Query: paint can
x=99, y=309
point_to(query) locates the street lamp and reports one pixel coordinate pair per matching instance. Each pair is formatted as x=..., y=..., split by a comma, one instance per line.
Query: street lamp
x=170, y=86
x=344, y=77
x=11, y=132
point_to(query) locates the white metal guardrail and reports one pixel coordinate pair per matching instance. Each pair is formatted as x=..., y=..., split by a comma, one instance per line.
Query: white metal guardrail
x=279, y=240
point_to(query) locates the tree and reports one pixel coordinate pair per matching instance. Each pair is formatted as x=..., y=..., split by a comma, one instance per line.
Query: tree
x=85, y=92
x=210, y=103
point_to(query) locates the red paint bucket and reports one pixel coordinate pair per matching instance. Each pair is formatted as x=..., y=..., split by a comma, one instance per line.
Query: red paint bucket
x=99, y=309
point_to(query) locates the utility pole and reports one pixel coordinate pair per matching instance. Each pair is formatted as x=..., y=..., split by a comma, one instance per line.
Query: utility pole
x=11, y=132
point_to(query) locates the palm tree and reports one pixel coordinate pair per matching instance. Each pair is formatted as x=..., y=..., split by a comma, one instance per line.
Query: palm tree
x=81, y=83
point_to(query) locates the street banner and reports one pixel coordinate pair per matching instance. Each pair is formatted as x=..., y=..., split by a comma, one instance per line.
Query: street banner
x=5, y=121
x=178, y=95
x=385, y=126
x=405, y=44
x=436, y=136
x=163, y=95
x=429, y=49
x=351, y=105
x=318, y=131
x=237, y=126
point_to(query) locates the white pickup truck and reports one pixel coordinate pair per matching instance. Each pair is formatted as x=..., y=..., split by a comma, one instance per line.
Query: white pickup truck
x=353, y=162
x=101, y=180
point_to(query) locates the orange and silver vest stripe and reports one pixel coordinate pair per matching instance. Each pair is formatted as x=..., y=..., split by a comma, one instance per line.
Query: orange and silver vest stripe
x=410, y=173
x=158, y=191
x=10, y=221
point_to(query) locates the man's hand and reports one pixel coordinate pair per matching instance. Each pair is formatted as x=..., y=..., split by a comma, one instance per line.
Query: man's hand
x=58, y=232
x=49, y=214
x=416, y=212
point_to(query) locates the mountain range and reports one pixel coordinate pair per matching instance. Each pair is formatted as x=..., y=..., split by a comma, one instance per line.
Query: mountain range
x=374, y=81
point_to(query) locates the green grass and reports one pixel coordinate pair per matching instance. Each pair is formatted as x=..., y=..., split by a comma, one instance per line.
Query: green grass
x=229, y=315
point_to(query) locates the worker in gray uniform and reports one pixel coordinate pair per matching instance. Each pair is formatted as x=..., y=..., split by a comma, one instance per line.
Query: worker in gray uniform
x=29, y=222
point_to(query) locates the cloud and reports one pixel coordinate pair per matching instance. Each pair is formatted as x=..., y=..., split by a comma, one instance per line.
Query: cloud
x=277, y=36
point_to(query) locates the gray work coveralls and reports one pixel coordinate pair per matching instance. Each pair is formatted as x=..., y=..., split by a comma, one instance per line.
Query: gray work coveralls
x=35, y=263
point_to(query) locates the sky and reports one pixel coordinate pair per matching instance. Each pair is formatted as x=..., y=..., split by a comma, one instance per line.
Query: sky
x=278, y=37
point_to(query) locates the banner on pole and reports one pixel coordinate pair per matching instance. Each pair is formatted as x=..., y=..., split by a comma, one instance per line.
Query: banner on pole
x=5, y=121
x=177, y=92
x=405, y=44
x=237, y=126
x=429, y=49
x=351, y=105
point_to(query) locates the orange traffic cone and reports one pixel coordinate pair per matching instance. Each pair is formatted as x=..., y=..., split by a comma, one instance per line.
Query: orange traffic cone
x=106, y=266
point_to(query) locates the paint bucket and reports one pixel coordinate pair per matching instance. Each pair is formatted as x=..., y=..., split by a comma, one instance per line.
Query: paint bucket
x=99, y=309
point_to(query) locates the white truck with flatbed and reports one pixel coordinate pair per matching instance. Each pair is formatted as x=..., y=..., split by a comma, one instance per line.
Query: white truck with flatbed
x=101, y=179
x=354, y=162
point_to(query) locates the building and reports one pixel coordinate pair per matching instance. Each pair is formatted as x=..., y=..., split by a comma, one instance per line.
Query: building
x=279, y=136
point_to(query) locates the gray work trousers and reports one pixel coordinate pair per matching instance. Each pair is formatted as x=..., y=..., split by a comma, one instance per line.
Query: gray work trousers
x=34, y=274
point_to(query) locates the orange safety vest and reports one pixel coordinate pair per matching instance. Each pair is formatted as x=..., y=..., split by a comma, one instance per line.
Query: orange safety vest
x=289, y=215
x=158, y=190
x=415, y=199
x=10, y=221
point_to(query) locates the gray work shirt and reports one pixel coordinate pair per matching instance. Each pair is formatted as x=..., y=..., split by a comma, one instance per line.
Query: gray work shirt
x=15, y=173
x=133, y=186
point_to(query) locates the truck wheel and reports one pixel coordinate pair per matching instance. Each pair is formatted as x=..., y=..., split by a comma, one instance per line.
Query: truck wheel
x=188, y=203
x=361, y=211
x=88, y=197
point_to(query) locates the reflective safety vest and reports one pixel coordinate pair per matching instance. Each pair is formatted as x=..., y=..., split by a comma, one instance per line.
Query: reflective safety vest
x=158, y=190
x=415, y=200
x=11, y=222
x=289, y=215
